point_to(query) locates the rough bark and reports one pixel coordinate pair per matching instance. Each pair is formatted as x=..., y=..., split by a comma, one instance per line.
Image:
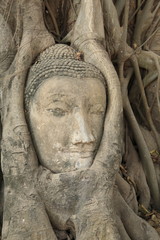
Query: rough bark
x=94, y=203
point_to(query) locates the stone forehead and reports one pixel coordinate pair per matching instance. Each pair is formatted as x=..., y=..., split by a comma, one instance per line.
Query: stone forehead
x=58, y=60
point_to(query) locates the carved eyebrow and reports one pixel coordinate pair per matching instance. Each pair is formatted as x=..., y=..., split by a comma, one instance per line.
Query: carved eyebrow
x=57, y=97
x=61, y=97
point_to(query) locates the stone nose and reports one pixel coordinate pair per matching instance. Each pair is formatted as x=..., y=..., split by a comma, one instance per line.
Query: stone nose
x=82, y=133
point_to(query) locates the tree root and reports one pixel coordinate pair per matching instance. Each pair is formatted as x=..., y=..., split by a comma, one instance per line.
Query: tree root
x=144, y=154
x=128, y=192
x=35, y=39
x=7, y=48
x=143, y=21
x=119, y=6
x=137, y=176
x=129, y=224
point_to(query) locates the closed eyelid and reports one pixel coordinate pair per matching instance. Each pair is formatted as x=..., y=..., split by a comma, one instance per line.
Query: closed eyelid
x=57, y=112
x=55, y=103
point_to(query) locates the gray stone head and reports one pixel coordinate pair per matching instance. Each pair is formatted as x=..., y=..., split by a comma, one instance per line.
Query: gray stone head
x=66, y=101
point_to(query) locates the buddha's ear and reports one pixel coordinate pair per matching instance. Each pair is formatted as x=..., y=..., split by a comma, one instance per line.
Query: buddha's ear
x=88, y=38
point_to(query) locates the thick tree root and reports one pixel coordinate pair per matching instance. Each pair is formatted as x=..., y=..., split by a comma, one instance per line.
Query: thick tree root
x=129, y=224
x=137, y=176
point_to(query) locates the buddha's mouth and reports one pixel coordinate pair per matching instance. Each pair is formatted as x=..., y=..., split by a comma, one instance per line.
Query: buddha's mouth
x=81, y=154
x=80, y=159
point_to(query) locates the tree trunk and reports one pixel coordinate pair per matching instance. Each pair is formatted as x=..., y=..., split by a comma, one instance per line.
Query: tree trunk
x=120, y=39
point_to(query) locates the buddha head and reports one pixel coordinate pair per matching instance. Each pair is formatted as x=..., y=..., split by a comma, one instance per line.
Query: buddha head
x=65, y=101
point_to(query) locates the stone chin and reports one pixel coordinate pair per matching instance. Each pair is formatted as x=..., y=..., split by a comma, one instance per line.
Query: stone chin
x=68, y=162
x=85, y=162
x=82, y=159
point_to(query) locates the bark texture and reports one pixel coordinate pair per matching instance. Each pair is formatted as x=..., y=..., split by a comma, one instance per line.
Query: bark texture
x=121, y=39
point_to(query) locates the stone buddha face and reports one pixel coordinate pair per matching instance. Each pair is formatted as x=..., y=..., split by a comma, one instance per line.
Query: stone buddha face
x=66, y=118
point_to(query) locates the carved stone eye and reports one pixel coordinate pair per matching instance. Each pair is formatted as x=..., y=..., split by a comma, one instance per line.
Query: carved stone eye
x=57, y=112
